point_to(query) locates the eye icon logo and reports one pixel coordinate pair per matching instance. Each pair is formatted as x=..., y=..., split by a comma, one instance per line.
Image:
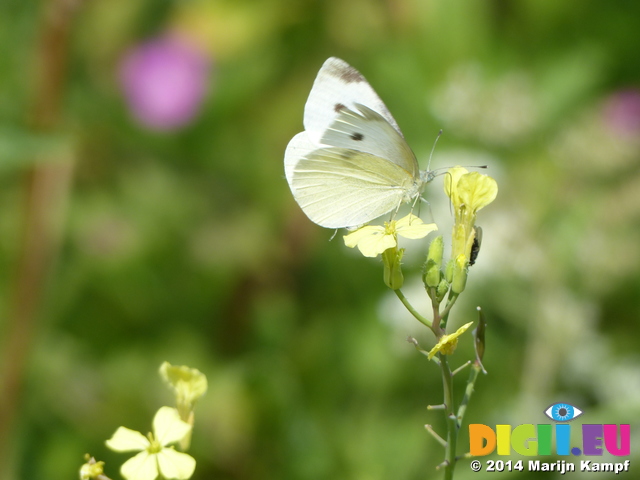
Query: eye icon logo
x=562, y=412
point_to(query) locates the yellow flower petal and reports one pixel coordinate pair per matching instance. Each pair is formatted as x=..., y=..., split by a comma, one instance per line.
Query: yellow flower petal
x=447, y=343
x=451, y=183
x=374, y=246
x=352, y=239
x=168, y=427
x=127, y=440
x=413, y=227
x=371, y=240
x=143, y=466
x=476, y=190
x=175, y=464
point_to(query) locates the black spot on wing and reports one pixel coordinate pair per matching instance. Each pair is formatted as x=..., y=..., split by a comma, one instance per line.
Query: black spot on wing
x=351, y=75
x=344, y=71
x=357, y=136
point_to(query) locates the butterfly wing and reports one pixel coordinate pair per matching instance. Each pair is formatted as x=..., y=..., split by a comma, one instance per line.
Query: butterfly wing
x=339, y=84
x=344, y=111
x=338, y=187
x=299, y=147
x=367, y=131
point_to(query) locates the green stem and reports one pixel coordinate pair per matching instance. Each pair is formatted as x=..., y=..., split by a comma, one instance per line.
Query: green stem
x=473, y=376
x=438, y=438
x=461, y=367
x=445, y=313
x=413, y=311
x=450, y=417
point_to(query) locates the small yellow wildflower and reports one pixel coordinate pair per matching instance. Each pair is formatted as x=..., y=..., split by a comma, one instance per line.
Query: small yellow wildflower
x=91, y=469
x=469, y=192
x=189, y=384
x=372, y=240
x=155, y=457
x=447, y=343
x=472, y=190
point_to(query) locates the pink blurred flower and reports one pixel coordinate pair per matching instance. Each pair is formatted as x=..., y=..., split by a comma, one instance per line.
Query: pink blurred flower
x=622, y=112
x=165, y=80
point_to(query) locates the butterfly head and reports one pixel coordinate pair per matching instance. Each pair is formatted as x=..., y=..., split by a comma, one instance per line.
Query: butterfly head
x=427, y=176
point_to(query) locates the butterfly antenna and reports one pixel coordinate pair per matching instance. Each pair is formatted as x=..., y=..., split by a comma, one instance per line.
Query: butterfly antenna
x=433, y=149
x=441, y=171
x=447, y=178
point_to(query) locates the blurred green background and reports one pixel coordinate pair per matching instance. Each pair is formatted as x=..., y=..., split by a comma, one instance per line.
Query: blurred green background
x=124, y=242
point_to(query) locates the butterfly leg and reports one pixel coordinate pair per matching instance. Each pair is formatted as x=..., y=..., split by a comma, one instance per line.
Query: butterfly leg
x=423, y=200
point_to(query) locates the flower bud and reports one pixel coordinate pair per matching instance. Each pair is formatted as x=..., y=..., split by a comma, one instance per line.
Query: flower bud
x=448, y=271
x=91, y=469
x=459, y=274
x=435, y=250
x=432, y=274
x=441, y=291
x=391, y=258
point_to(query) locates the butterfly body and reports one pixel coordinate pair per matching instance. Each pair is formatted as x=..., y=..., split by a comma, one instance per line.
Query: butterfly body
x=352, y=163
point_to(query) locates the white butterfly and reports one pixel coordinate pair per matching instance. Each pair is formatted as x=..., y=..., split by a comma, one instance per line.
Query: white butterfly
x=352, y=163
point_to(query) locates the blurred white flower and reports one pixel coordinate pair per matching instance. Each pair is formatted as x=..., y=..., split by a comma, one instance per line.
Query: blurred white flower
x=499, y=111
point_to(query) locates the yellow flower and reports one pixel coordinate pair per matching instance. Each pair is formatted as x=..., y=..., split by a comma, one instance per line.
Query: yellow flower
x=476, y=190
x=447, y=343
x=472, y=190
x=155, y=457
x=91, y=469
x=451, y=183
x=372, y=240
x=189, y=384
x=469, y=192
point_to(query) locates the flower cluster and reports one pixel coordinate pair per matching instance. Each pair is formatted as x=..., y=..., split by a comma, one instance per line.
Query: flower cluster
x=469, y=192
x=157, y=456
